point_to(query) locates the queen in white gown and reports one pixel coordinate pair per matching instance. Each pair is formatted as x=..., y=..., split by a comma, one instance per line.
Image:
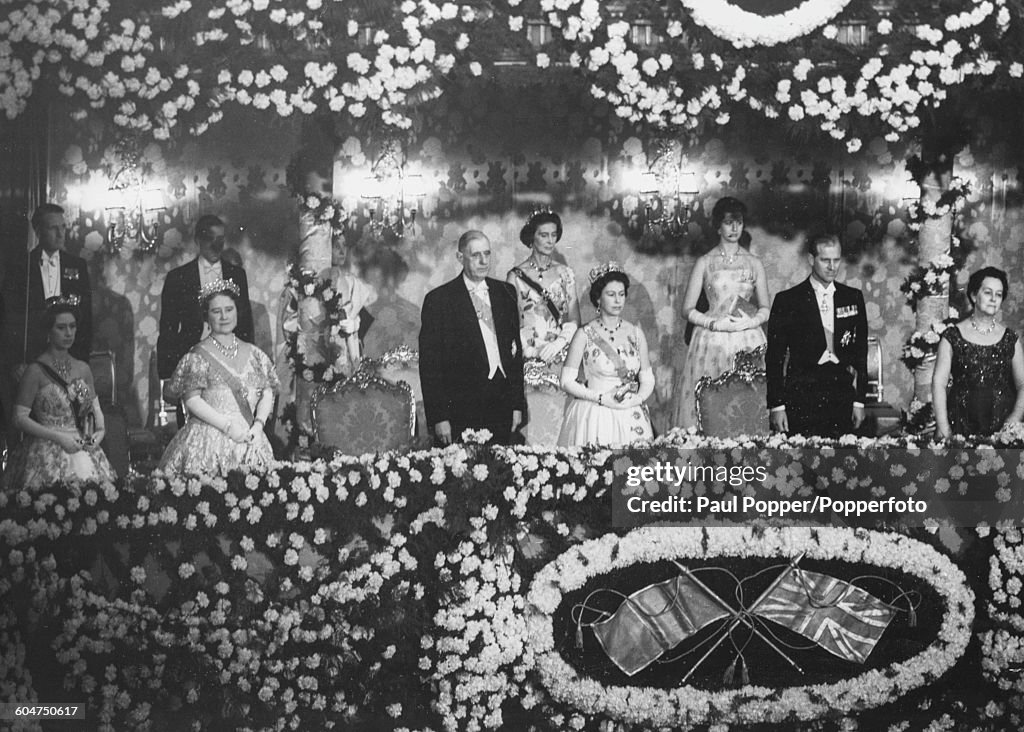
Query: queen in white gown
x=607, y=408
x=734, y=283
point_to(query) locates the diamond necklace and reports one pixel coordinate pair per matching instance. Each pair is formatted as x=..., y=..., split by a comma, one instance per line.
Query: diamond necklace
x=983, y=331
x=229, y=351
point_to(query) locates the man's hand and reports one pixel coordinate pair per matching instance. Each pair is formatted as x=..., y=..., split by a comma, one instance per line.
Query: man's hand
x=517, y=419
x=778, y=420
x=443, y=430
x=858, y=417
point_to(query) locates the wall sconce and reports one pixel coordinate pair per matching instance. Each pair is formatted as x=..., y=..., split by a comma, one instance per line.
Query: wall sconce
x=389, y=186
x=131, y=209
x=667, y=197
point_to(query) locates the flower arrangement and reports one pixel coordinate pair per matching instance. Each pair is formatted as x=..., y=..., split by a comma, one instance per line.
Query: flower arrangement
x=391, y=590
x=921, y=347
x=307, y=363
x=929, y=280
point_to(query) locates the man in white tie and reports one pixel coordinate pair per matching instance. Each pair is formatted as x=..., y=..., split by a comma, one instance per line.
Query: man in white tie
x=817, y=350
x=181, y=319
x=471, y=358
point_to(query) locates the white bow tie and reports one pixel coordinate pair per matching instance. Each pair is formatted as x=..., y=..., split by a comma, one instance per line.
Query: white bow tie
x=828, y=357
x=51, y=260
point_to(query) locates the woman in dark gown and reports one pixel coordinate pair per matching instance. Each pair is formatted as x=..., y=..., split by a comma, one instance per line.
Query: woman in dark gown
x=978, y=383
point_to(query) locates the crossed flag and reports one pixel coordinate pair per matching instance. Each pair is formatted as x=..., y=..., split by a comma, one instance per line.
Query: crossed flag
x=842, y=618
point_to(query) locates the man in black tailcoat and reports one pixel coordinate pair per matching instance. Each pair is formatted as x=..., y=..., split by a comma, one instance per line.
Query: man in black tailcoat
x=471, y=358
x=817, y=350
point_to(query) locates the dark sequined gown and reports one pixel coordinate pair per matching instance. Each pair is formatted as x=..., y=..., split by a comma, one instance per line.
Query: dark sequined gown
x=981, y=389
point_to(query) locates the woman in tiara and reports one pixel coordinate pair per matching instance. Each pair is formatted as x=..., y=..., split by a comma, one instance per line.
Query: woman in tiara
x=549, y=311
x=736, y=288
x=607, y=407
x=228, y=388
x=59, y=413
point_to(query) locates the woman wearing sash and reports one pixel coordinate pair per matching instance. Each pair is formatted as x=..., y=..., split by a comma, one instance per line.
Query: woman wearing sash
x=228, y=388
x=549, y=311
x=607, y=407
x=59, y=413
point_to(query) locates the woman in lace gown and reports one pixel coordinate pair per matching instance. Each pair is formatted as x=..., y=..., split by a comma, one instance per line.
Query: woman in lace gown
x=734, y=283
x=59, y=413
x=549, y=310
x=978, y=382
x=227, y=387
x=607, y=408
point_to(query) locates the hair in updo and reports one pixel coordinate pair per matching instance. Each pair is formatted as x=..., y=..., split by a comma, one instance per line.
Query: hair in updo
x=528, y=231
x=725, y=206
x=212, y=290
x=58, y=306
x=974, y=283
x=598, y=285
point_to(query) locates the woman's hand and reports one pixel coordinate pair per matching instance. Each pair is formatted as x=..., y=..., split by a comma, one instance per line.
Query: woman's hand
x=255, y=431
x=97, y=437
x=237, y=431
x=69, y=443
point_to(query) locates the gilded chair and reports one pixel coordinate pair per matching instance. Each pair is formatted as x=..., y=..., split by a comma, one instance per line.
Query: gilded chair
x=364, y=414
x=545, y=404
x=735, y=402
x=403, y=364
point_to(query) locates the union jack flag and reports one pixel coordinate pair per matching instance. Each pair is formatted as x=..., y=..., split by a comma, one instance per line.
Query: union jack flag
x=841, y=618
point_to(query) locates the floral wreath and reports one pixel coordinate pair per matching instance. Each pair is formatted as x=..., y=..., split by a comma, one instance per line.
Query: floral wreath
x=687, y=706
x=305, y=283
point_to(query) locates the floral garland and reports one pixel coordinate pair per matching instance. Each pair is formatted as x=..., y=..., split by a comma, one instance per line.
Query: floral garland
x=922, y=347
x=688, y=706
x=688, y=79
x=929, y=280
x=920, y=211
x=323, y=209
x=745, y=29
x=308, y=366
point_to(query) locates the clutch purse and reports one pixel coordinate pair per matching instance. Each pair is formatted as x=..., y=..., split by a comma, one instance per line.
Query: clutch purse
x=742, y=306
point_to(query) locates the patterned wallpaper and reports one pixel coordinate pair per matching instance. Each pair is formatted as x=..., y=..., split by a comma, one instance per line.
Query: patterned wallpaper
x=489, y=177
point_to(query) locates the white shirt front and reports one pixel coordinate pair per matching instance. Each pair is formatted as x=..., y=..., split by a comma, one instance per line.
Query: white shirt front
x=209, y=272
x=481, y=298
x=49, y=267
x=825, y=296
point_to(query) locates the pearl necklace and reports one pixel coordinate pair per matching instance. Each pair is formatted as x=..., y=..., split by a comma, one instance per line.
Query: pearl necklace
x=983, y=331
x=729, y=258
x=229, y=351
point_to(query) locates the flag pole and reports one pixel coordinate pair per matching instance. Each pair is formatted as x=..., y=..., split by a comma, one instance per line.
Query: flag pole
x=738, y=618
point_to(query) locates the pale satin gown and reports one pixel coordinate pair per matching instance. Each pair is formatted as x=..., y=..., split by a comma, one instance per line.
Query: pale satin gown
x=713, y=352
x=589, y=423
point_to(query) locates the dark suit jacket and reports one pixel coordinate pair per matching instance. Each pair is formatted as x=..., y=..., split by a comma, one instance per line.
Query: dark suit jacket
x=181, y=320
x=453, y=357
x=74, y=280
x=795, y=331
